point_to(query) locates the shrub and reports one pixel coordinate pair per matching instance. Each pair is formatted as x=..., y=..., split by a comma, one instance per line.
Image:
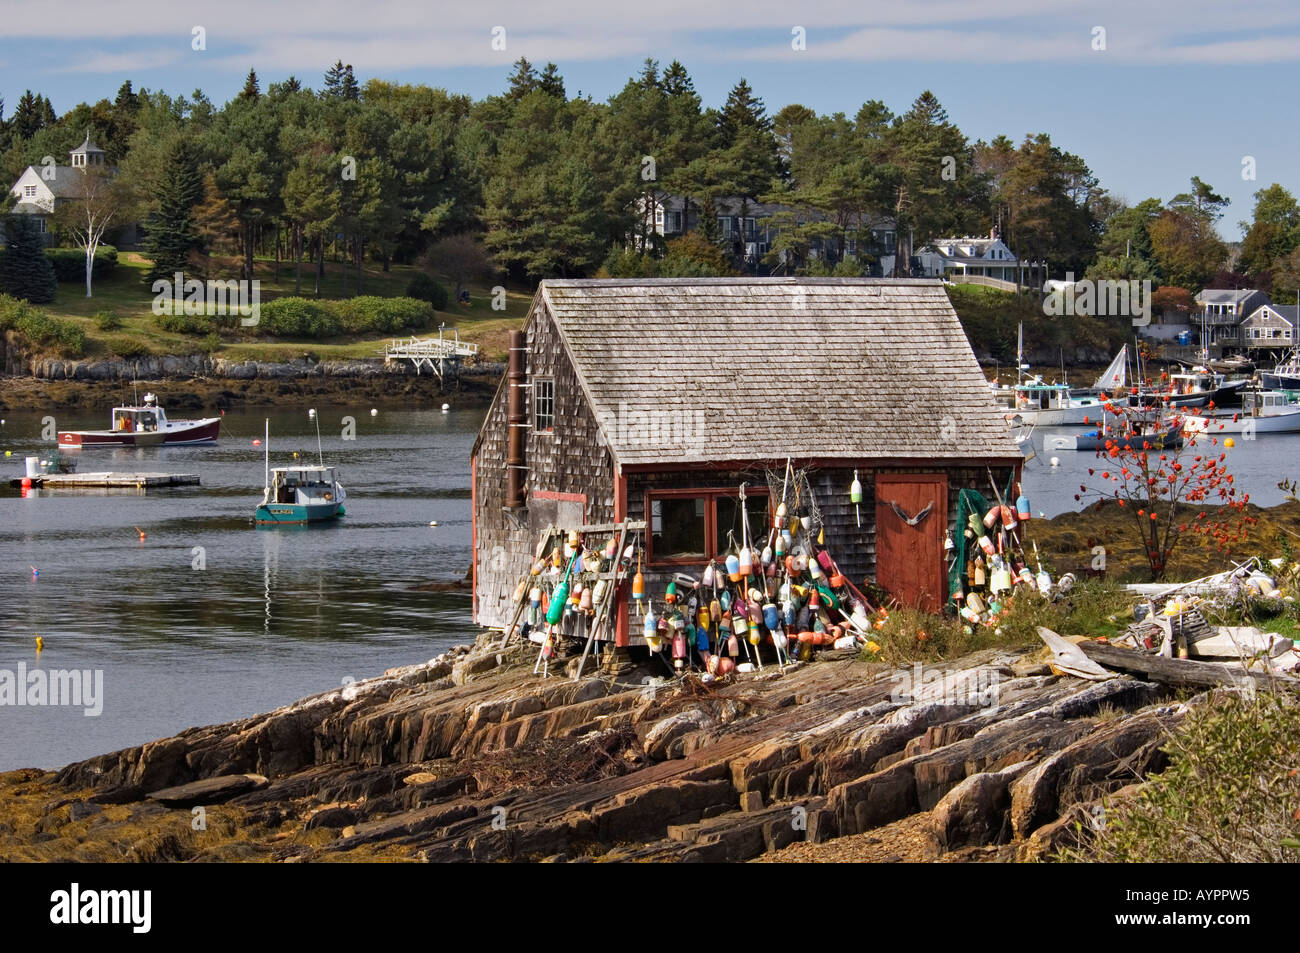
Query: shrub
x=424, y=288
x=129, y=348
x=212, y=342
x=298, y=318
x=184, y=323
x=383, y=315
x=107, y=321
x=66, y=338
x=1231, y=792
x=70, y=263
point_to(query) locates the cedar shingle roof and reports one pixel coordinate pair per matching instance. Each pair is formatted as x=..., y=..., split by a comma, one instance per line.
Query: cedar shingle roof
x=697, y=370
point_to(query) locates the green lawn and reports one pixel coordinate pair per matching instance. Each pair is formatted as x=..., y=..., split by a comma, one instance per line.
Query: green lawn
x=126, y=295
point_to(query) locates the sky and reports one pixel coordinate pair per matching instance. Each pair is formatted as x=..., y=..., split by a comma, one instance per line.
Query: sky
x=1149, y=93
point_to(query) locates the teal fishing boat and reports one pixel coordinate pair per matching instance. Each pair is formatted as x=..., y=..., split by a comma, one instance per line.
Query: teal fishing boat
x=299, y=494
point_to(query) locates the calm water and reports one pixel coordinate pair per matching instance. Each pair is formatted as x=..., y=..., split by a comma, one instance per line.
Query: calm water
x=276, y=614
x=1256, y=465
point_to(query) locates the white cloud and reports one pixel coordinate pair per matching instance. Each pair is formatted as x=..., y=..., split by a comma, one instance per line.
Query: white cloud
x=383, y=35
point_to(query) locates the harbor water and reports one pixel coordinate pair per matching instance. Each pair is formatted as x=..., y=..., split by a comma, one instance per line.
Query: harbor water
x=208, y=618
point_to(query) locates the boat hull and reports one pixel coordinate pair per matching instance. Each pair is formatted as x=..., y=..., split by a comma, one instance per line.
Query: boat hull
x=1170, y=439
x=1271, y=380
x=298, y=513
x=182, y=433
x=1288, y=422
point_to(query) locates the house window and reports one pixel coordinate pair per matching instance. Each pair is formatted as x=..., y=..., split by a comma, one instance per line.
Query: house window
x=749, y=227
x=677, y=221
x=29, y=191
x=689, y=526
x=544, y=405
x=724, y=224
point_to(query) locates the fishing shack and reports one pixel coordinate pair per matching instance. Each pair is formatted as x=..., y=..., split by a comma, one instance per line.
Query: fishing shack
x=700, y=406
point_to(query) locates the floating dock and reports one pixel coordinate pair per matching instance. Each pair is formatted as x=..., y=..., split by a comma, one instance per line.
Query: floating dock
x=124, y=481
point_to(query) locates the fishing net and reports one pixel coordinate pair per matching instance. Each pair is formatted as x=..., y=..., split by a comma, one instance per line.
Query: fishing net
x=799, y=498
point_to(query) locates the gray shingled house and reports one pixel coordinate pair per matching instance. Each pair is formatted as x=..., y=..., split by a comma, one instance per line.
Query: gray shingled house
x=656, y=399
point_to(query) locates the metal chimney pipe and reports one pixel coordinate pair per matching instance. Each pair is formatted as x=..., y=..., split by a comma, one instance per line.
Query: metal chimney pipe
x=517, y=422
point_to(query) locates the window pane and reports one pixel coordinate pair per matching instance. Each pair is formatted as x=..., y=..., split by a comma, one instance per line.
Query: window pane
x=677, y=528
x=728, y=519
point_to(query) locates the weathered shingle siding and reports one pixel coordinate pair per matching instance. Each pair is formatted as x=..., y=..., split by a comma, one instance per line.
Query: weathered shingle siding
x=774, y=367
x=572, y=460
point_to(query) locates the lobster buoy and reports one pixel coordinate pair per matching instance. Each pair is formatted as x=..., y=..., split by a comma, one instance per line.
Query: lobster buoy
x=1008, y=518
x=520, y=590
x=1022, y=506
x=651, y=629
x=986, y=544
x=782, y=544
x=726, y=601
x=771, y=618
x=585, y=603
x=535, y=597
x=766, y=558
x=599, y=594
x=746, y=562
x=991, y=517
x=708, y=579
x=704, y=619
x=782, y=513
x=733, y=568
x=679, y=649
x=855, y=496
x=638, y=587
x=670, y=594
x=715, y=611
x=558, y=599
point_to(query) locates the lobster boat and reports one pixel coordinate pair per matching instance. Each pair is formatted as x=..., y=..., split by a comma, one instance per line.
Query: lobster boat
x=299, y=494
x=144, y=425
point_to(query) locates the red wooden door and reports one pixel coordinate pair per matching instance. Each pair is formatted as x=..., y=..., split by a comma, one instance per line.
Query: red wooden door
x=911, y=518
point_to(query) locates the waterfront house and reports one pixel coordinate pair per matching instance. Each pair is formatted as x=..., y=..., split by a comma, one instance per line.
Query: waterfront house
x=655, y=400
x=42, y=189
x=1270, y=327
x=1223, y=309
x=968, y=257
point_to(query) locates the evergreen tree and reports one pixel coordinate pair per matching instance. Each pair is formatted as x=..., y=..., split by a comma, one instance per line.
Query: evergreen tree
x=127, y=100
x=250, y=90
x=551, y=82
x=28, y=117
x=25, y=272
x=341, y=83
x=173, y=234
x=523, y=81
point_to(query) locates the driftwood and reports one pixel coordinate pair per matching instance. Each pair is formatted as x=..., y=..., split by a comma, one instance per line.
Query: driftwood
x=1181, y=673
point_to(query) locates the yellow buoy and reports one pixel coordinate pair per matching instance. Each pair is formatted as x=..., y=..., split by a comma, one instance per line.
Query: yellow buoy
x=1229, y=442
x=40, y=645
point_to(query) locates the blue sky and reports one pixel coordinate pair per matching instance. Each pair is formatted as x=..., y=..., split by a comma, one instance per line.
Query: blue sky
x=1164, y=91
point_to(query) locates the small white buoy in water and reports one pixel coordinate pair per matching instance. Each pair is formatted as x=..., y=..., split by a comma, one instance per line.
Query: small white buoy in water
x=1056, y=461
x=311, y=413
x=373, y=412
x=433, y=522
x=445, y=408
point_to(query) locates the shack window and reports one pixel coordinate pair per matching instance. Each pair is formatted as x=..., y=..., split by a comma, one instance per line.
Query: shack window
x=543, y=405
x=677, y=528
x=689, y=526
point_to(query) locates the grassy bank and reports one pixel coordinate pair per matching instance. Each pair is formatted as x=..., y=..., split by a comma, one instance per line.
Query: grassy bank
x=125, y=295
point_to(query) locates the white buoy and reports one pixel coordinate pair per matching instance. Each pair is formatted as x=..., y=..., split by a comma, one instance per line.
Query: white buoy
x=1056, y=461
x=433, y=522
x=373, y=412
x=311, y=413
x=445, y=408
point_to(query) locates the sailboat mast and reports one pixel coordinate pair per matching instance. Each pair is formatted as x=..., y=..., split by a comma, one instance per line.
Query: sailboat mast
x=266, y=449
x=320, y=455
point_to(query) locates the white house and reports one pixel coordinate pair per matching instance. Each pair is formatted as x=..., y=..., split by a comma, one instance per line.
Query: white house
x=983, y=257
x=1270, y=326
x=42, y=189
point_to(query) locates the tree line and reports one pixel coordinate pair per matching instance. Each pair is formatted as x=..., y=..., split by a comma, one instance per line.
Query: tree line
x=549, y=184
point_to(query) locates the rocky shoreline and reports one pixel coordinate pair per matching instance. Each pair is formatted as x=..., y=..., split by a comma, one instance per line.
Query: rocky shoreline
x=471, y=756
x=196, y=383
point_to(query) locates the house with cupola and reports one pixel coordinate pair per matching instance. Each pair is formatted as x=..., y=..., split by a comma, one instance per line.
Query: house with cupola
x=44, y=188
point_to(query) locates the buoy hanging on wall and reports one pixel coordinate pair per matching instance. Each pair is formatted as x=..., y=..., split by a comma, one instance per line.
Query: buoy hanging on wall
x=855, y=495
